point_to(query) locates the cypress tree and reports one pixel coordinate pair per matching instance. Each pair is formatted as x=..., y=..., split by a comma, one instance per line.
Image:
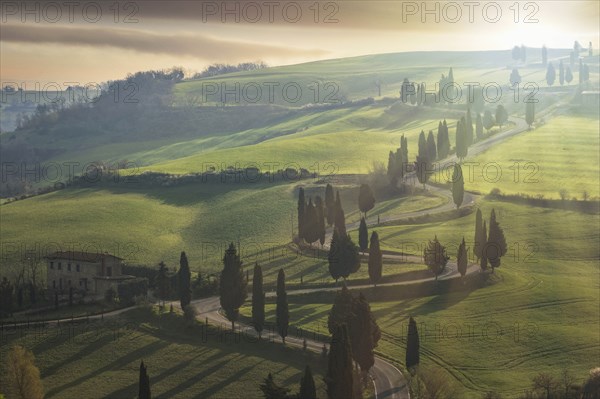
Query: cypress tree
x=483, y=261
x=282, y=312
x=404, y=148
x=501, y=115
x=440, y=141
x=569, y=75
x=530, y=113
x=320, y=215
x=435, y=257
x=496, y=242
x=375, y=259
x=469, y=126
x=458, y=186
x=391, y=170
x=488, y=120
x=185, y=278
x=478, y=126
x=311, y=223
x=423, y=168
x=232, y=285
x=308, y=389
x=544, y=55
x=144, y=383
x=349, y=256
x=340, y=376
x=341, y=310
x=363, y=235
x=364, y=333
x=431, y=147
x=366, y=199
x=561, y=73
x=461, y=258
x=334, y=256
x=550, y=75
x=301, y=213
x=340, y=218
x=446, y=139
x=412, y=346
x=478, y=243
x=258, y=300
x=330, y=204
x=423, y=150
x=461, y=139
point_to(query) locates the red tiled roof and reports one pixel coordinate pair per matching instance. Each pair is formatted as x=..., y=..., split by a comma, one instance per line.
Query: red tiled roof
x=81, y=256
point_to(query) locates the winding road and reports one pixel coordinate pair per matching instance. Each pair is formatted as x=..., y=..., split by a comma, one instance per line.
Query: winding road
x=389, y=382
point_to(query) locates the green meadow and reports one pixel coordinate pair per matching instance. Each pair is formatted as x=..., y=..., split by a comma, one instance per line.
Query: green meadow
x=538, y=312
x=101, y=359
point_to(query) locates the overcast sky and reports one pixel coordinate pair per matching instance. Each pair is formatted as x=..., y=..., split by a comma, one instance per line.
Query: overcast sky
x=97, y=41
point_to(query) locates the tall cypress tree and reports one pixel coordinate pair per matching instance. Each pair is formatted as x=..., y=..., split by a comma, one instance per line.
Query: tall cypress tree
x=423, y=150
x=561, y=73
x=446, y=138
x=258, y=300
x=341, y=310
x=544, y=55
x=469, y=126
x=308, y=389
x=478, y=244
x=431, y=147
x=301, y=213
x=364, y=333
x=483, y=261
x=334, y=256
x=330, y=204
x=458, y=186
x=530, y=113
x=340, y=376
x=461, y=258
x=404, y=148
x=320, y=214
x=144, y=383
x=311, y=227
x=185, y=278
x=375, y=259
x=391, y=170
x=363, y=235
x=282, y=312
x=340, y=218
x=550, y=75
x=496, y=242
x=423, y=169
x=412, y=346
x=461, y=139
x=232, y=285
x=440, y=141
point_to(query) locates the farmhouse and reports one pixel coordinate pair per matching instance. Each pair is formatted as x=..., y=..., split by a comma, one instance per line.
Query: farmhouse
x=84, y=271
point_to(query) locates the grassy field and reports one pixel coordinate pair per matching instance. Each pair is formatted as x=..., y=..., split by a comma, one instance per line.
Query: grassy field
x=541, y=313
x=145, y=226
x=102, y=359
x=354, y=78
x=561, y=155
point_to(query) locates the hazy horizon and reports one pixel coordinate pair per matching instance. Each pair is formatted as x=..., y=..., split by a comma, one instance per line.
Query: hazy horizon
x=47, y=45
